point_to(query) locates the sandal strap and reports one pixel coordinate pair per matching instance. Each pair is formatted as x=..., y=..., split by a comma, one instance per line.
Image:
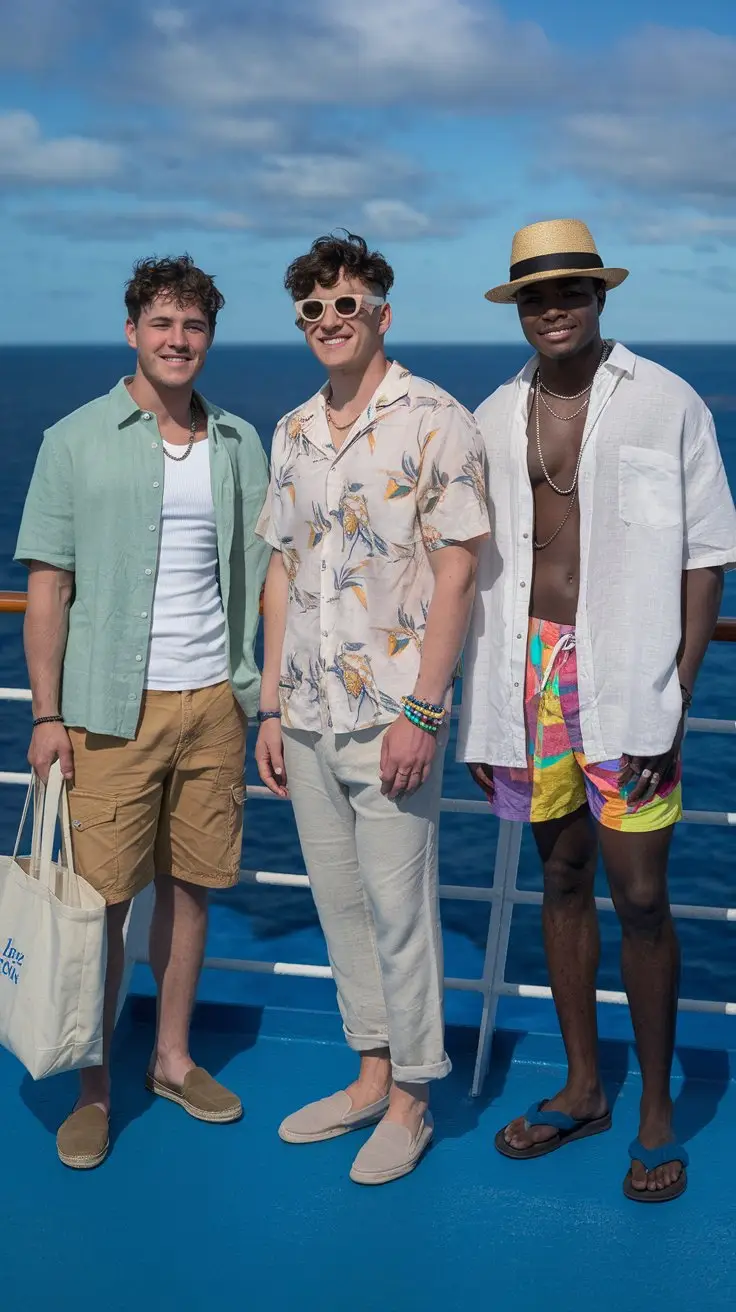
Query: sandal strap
x=651, y=1158
x=536, y=1115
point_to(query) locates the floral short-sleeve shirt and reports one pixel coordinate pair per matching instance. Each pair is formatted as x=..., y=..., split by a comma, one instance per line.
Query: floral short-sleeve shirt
x=355, y=528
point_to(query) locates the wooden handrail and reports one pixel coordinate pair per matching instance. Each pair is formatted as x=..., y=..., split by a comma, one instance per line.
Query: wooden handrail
x=14, y=603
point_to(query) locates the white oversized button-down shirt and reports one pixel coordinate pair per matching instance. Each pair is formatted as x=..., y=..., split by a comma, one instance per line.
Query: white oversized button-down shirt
x=355, y=527
x=654, y=500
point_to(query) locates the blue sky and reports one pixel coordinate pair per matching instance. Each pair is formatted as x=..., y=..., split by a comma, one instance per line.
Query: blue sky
x=239, y=132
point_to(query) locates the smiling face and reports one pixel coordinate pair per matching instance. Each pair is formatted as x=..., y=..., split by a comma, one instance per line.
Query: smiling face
x=561, y=317
x=348, y=344
x=171, y=340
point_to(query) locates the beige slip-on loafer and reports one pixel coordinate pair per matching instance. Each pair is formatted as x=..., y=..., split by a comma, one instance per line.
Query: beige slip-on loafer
x=391, y=1151
x=200, y=1096
x=84, y=1138
x=328, y=1118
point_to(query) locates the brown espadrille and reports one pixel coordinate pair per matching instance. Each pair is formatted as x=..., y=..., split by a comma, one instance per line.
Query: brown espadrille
x=200, y=1096
x=84, y=1138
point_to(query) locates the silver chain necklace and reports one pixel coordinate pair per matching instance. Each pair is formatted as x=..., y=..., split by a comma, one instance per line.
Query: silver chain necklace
x=572, y=490
x=194, y=413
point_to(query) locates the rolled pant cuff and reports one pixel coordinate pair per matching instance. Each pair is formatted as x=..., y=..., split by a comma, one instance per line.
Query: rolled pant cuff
x=365, y=1042
x=421, y=1074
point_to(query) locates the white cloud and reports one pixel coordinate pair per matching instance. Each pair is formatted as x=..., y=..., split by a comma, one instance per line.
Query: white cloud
x=128, y=224
x=675, y=67
x=169, y=21
x=251, y=134
x=25, y=157
x=394, y=220
x=700, y=231
x=346, y=52
x=687, y=158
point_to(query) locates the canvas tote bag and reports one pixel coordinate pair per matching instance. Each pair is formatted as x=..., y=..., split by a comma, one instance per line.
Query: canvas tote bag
x=53, y=946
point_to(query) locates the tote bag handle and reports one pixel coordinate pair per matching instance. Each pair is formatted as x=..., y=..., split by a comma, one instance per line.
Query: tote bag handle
x=50, y=802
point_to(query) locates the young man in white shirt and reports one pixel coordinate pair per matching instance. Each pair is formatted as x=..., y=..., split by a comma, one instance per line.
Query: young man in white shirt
x=143, y=592
x=597, y=599
x=376, y=505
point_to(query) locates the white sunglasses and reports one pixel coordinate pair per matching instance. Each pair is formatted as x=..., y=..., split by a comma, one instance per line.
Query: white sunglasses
x=312, y=309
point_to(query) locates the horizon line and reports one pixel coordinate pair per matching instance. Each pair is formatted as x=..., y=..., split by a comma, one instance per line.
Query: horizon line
x=80, y=345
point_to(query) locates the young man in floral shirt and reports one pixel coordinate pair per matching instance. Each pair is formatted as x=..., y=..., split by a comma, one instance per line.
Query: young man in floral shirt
x=376, y=508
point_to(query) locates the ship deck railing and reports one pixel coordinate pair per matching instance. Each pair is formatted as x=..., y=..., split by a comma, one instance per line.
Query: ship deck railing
x=503, y=894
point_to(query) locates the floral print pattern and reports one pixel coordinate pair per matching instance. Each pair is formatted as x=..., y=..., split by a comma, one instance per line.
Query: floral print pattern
x=356, y=528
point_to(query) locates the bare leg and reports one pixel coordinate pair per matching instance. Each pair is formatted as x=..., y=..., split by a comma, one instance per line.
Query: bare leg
x=178, y=934
x=636, y=865
x=567, y=848
x=95, y=1080
x=374, y=1079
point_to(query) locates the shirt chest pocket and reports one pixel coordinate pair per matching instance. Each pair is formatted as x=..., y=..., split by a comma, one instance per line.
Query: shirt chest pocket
x=649, y=488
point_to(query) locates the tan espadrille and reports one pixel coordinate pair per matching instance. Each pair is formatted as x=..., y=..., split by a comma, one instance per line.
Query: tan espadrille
x=391, y=1151
x=200, y=1096
x=84, y=1138
x=328, y=1118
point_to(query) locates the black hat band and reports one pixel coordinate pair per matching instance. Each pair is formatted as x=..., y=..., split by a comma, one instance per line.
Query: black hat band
x=550, y=263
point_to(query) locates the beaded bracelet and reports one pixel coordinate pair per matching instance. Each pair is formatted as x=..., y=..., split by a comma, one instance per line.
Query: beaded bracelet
x=268, y=715
x=687, y=697
x=48, y=719
x=425, y=715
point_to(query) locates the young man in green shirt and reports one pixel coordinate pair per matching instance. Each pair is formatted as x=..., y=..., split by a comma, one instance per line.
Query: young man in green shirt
x=143, y=596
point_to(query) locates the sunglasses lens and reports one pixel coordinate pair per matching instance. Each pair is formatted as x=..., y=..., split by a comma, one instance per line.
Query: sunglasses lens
x=346, y=306
x=312, y=310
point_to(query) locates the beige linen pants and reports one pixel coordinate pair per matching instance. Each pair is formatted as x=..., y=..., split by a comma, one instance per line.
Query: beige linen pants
x=372, y=865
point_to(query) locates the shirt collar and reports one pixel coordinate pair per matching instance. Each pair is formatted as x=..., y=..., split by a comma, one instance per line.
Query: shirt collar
x=125, y=408
x=621, y=361
x=393, y=387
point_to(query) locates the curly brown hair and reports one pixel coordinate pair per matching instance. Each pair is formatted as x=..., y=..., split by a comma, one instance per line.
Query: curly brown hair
x=328, y=257
x=176, y=278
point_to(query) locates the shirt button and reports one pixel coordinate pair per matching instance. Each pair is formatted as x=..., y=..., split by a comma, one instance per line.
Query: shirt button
x=324, y=564
x=154, y=446
x=325, y=634
x=523, y=584
x=152, y=529
x=516, y=685
x=526, y=535
x=157, y=484
x=518, y=635
x=144, y=614
x=146, y=415
x=131, y=697
x=149, y=571
x=139, y=657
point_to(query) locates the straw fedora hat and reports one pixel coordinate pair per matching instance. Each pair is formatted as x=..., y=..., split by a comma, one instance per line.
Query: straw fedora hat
x=556, y=248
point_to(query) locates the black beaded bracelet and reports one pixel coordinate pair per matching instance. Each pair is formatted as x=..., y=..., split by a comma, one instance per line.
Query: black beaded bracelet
x=48, y=719
x=268, y=715
x=687, y=697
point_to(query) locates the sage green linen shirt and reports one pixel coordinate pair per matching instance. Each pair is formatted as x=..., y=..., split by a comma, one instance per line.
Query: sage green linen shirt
x=94, y=508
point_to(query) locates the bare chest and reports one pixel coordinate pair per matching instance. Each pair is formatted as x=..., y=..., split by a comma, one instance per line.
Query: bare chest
x=553, y=445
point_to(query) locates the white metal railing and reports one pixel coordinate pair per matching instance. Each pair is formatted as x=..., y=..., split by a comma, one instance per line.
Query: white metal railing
x=503, y=895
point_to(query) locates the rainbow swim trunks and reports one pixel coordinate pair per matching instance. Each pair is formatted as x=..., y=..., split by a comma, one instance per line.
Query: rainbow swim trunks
x=558, y=779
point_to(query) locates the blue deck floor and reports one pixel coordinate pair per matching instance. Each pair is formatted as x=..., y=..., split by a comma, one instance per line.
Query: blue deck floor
x=185, y=1216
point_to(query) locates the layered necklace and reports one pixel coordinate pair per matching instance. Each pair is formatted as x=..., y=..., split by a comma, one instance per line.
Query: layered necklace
x=194, y=420
x=541, y=392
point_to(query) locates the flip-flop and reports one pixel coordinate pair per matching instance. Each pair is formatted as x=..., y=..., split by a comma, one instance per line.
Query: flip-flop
x=567, y=1127
x=650, y=1159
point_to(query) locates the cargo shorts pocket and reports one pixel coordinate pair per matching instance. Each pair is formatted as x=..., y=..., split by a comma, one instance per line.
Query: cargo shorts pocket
x=235, y=825
x=94, y=839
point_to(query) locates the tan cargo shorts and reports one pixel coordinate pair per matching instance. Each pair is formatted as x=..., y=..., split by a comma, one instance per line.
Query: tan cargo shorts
x=169, y=802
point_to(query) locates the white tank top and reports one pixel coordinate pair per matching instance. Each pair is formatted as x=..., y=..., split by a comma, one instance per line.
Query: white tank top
x=188, y=647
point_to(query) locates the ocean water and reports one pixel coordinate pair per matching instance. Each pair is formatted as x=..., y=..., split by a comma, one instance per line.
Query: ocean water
x=39, y=385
